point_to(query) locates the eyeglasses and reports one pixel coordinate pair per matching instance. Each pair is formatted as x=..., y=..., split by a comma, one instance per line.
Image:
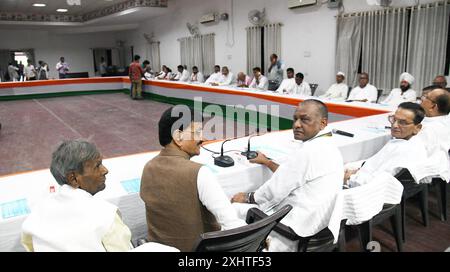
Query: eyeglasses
x=423, y=97
x=402, y=123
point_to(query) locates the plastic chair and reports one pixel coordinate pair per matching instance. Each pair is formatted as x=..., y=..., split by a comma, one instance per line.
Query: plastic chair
x=313, y=88
x=380, y=92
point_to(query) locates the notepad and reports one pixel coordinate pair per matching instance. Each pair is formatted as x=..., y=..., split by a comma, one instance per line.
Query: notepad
x=14, y=208
x=132, y=186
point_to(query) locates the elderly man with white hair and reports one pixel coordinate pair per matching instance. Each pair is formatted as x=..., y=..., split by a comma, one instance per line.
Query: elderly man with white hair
x=403, y=94
x=339, y=90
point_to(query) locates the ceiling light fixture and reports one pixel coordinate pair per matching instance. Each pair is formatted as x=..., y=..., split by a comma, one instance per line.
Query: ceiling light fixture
x=61, y=10
x=39, y=5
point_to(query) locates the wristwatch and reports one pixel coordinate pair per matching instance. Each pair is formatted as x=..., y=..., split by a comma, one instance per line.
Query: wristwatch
x=251, y=198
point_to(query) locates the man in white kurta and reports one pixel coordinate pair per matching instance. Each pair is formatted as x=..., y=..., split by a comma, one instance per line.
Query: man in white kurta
x=339, y=90
x=182, y=75
x=72, y=219
x=288, y=84
x=309, y=180
x=214, y=78
x=364, y=92
x=403, y=94
x=301, y=87
x=259, y=82
x=196, y=77
x=226, y=79
x=405, y=150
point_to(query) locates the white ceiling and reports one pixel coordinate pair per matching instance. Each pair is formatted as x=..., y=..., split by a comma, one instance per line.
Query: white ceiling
x=26, y=6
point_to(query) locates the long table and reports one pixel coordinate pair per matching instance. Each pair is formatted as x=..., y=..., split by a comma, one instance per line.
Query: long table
x=19, y=193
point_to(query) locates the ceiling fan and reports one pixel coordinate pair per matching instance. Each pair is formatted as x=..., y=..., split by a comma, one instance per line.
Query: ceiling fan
x=257, y=17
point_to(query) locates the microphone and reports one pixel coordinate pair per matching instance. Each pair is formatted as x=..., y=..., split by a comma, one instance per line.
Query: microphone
x=250, y=155
x=343, y=133
x=224, y=161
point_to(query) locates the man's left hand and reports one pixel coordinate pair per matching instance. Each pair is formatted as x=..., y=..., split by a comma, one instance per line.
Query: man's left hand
x=239, y=198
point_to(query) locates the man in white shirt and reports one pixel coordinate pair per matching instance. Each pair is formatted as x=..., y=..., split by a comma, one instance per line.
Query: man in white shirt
x=436, y=132
x=13, y=72
x=259, y=82
x=339, y=90
x=71, y=219
x=183, y=198
x=162, y=75
x=214, y=78
x=405, y=150
x=196, y=77
x=30, y=71
x=226, y=79
x=288, y=84
x=62, y=67
x=364, y=92
x=182, y=74
x=403, y=94
x=301, y=87
x=309, y=180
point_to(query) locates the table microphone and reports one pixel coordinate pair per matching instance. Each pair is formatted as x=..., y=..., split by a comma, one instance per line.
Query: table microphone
x=343, y=133
x=224, y=161
x=250, y=155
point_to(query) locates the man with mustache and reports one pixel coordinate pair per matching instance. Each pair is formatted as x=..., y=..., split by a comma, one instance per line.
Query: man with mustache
x=183, y=198
x=403, y=94
x=309, y=180
x=405, y=150
x=72, y=219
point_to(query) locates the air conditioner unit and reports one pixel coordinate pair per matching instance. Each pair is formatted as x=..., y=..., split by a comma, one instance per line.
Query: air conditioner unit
x=208, y=18
x=300, y=3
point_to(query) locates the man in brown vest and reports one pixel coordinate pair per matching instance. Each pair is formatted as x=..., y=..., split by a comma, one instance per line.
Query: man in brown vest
x=182, y=198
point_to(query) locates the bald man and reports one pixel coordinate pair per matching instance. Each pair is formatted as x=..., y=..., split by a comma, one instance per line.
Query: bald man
x=309, y=180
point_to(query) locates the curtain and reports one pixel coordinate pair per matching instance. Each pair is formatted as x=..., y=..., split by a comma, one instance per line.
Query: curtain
x=384, y=46
x=348, y=48
x=198, y=51
x=272, y=42
x=155, y=57
x=5, y=58
x=254, y=47
x=428, y=43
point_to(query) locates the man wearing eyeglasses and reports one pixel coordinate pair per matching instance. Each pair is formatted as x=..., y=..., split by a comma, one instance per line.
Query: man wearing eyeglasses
x=403, y=151
x=365, y=92
x=436, y=132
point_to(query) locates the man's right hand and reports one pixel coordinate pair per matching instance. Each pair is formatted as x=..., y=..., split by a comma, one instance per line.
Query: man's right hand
x=261, y=159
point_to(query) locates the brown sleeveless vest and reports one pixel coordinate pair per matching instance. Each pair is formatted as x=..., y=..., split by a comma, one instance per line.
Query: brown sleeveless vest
x=175, y=215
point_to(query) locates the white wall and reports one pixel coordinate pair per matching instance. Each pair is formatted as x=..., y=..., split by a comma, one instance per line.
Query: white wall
x=49, y=47
x=306, y=30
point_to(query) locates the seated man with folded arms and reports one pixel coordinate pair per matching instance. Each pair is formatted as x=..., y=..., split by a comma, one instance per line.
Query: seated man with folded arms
x=288, y=84
x=403, y=94
x=183, y=199
x=436, y=126
x=259, y=82
x=196, y=77
x=309, y=180
x=215, y=77
x=243, y=81
x=182, y=75
x=338, y=91
x=405, y=149
x=226, y=79
x=364, y=92
x=301, y=87
x=72, y=219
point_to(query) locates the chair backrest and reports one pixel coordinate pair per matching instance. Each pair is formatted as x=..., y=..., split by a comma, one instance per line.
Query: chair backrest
x=349, y=91
x=250, y=238
x=313, y=88
x=380, y=92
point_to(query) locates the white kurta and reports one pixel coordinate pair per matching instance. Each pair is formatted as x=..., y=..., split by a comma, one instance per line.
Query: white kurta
x=287, y=86
x=303, y=89
x=214, y=78
x=369, y=92
x=70, y=220
x=262, y=85
x=396, y=97
x=197, y=78
x=337, y=91
x=436, y=133
x=310, y=180
x=226, y=80
x=394, y=156
x=182, y=77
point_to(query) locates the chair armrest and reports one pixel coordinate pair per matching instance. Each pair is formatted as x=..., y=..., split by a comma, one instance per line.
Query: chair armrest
x=255, y=214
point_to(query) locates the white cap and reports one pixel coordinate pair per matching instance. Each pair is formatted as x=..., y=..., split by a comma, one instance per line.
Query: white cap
x=340, y=74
